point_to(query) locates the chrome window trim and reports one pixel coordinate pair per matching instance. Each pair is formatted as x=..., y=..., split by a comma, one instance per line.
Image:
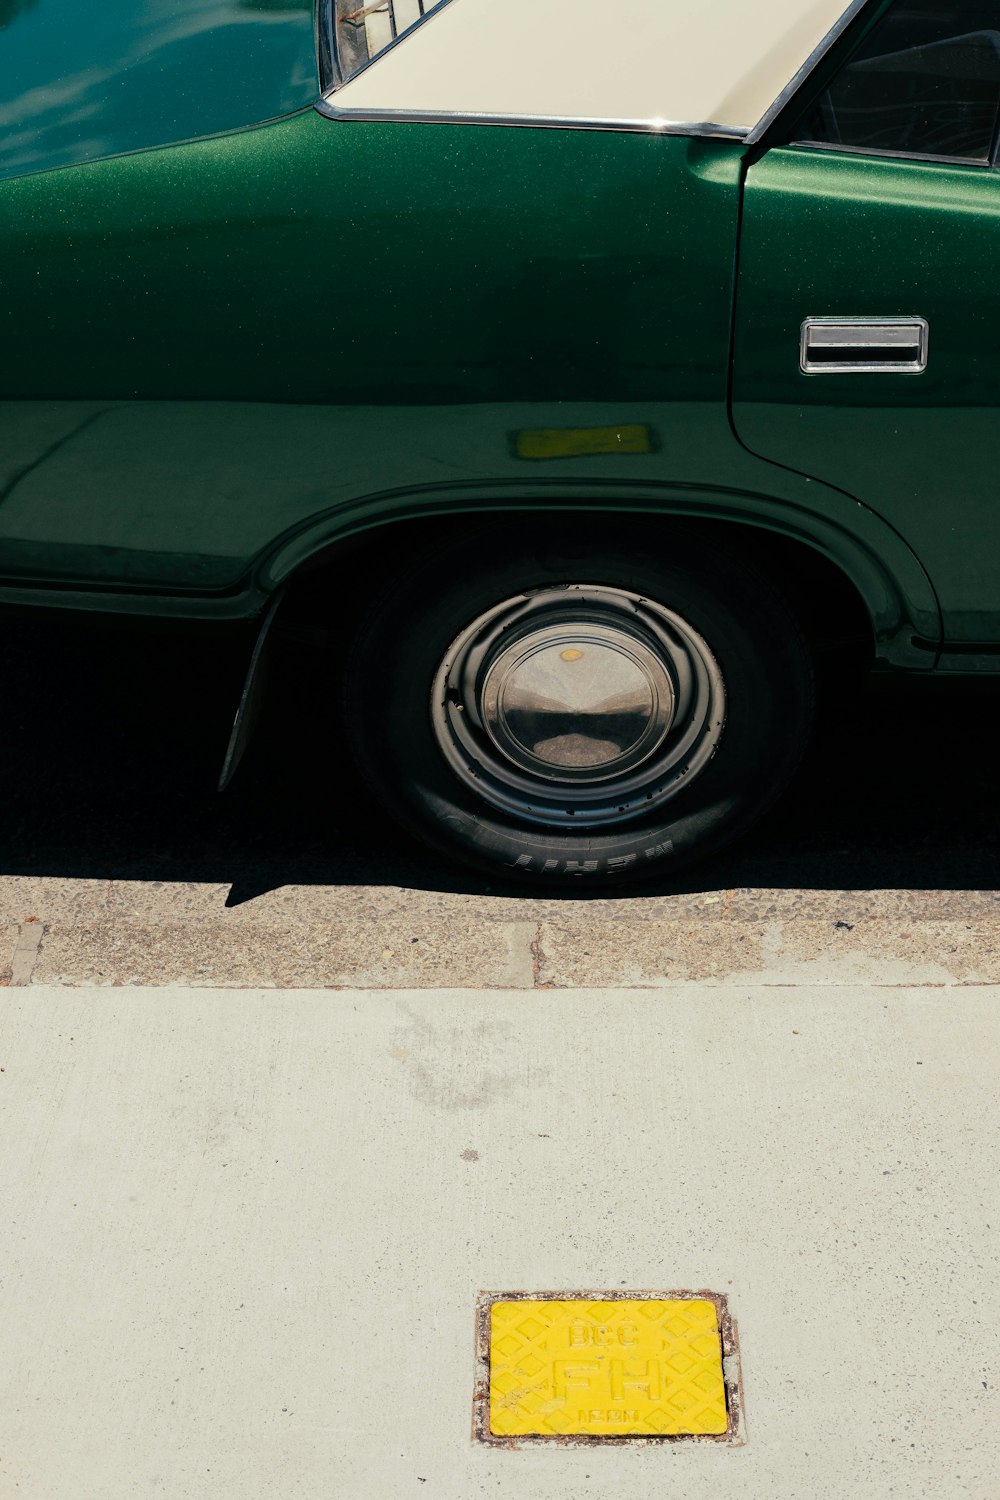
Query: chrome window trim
x=812, y=62
x=326, y=61
x=877, y=152
x=703, y=129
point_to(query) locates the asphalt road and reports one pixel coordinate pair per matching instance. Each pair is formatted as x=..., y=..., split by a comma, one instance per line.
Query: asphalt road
x=120, y=863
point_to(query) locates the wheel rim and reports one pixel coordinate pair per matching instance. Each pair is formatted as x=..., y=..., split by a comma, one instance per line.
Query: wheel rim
x=578, y=706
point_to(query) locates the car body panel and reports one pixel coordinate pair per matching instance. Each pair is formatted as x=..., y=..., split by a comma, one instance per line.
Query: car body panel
x=826, y=233
x=225, y=356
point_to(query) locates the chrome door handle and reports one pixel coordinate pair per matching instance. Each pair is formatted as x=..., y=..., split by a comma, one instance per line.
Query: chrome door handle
x=863, y=346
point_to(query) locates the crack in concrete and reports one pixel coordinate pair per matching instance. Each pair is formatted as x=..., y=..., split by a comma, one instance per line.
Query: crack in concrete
x=538, y=962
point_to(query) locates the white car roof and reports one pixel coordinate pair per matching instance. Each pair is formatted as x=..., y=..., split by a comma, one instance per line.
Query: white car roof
x=686, y=66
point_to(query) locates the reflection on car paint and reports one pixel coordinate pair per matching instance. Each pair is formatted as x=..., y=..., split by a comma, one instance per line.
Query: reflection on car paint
x=79, y=82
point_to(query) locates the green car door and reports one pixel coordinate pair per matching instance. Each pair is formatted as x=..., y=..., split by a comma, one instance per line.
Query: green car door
x=868, y=306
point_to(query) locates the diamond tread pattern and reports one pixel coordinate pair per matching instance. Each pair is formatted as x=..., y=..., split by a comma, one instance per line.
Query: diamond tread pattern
x=640, y=1368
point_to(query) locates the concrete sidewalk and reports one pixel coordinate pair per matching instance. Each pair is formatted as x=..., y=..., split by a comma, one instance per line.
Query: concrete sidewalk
x=244, y=1232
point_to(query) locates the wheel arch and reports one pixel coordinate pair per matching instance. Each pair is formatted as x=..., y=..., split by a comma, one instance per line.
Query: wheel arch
x=861, y=574
x=864, y=594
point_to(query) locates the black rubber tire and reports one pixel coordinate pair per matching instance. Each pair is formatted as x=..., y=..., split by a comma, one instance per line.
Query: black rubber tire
x=754, y=636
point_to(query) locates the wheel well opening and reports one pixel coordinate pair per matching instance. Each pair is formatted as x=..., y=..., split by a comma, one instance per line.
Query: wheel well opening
x=327, y=593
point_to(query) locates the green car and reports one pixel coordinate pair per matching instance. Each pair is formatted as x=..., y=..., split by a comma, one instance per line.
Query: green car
x=614, y=367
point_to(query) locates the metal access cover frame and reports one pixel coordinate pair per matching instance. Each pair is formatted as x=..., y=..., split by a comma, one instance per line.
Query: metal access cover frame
x=734, y=1435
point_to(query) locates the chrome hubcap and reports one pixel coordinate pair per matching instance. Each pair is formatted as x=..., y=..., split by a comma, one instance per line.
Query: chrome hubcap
x=581, y=705
x=578, y=703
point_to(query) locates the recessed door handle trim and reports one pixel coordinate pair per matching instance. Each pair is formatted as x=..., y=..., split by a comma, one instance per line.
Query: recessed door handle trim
x=863, y=346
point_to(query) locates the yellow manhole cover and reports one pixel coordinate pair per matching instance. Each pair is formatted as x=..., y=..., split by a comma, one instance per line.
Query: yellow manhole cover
x=605, y=1366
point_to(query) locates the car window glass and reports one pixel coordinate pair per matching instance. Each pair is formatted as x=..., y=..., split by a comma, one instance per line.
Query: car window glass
x=362, y=30
x=924, y=82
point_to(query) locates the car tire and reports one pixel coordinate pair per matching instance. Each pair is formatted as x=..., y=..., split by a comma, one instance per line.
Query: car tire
x=474, y=719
